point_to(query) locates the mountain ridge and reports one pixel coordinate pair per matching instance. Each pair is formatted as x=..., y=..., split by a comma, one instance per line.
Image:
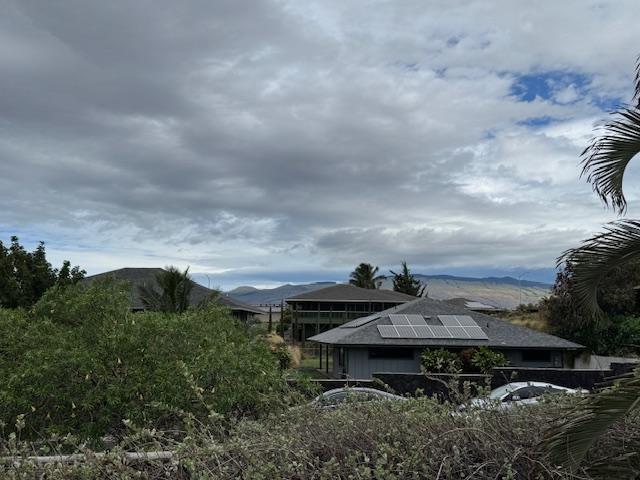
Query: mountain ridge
x=501, y=292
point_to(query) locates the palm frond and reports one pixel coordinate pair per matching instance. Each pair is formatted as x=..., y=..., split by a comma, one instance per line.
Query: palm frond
x=617, y=245
x=636, y=83
x=605, y=159
x=568, y=441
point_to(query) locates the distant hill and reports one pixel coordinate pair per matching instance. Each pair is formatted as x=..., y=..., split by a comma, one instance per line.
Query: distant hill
x=500, y=292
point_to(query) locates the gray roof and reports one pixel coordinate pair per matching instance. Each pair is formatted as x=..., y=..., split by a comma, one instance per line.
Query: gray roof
x=345, y=292
x=501, y=333
x=147, y=276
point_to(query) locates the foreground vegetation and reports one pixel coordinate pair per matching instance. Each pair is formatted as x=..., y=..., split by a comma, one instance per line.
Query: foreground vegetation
x=383, y=440
x=79, y=361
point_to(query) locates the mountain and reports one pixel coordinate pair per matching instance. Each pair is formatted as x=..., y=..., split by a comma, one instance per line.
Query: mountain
x=500, y=292
x=256, y=296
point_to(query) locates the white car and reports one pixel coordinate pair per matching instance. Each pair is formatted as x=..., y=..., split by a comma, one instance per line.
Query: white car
x=520, y=393
x=337, y=396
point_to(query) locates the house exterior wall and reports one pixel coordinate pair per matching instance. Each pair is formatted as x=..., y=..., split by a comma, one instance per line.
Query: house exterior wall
x=358, y=363
x=360, y=366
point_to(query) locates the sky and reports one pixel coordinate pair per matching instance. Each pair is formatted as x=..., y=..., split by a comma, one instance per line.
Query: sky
x=266, y=142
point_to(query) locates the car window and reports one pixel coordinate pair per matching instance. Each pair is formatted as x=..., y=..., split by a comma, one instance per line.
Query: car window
x=337, y=397
x=523, y=393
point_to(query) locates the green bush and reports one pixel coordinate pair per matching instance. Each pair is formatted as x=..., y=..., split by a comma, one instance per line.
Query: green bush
x=80, y=362
x=485, y=359
x=283, y=355
x=440, y=361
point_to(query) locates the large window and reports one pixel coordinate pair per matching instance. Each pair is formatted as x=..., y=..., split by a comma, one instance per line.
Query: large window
x=391, y=353
x=540, y=356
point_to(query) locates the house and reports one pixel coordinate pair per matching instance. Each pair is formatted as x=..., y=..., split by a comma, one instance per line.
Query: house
x=392, y=340
x=147, y=276
x=319, y=310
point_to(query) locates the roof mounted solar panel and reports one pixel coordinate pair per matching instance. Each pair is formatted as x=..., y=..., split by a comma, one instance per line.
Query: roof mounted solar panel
x=440, y=332
x=423, y=331
x=458, y=332
x=476, y=333
x=449, y=320
x=406, y=331
x=388, y=331
x=399, y=319
x=416, y=320
x=466, y=321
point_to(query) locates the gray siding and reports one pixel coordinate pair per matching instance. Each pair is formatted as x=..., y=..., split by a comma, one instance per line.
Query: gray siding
x=361, y=367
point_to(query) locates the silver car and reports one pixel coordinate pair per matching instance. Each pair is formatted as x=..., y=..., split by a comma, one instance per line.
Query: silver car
x=337, y=396
x=520, y=393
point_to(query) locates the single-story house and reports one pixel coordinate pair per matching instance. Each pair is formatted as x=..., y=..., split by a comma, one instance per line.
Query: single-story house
x=319, y=310
x=393, y=340
x=147, y=277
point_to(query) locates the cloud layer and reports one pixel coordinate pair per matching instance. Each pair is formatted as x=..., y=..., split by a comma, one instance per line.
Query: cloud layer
x=271, y=138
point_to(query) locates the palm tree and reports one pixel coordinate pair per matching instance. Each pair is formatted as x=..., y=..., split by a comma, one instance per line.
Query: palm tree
x=604, y=163
x=175, y=290
x=364, y=276
x=405, y=282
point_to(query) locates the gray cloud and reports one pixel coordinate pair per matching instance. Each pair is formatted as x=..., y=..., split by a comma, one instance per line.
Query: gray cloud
x=301, y=136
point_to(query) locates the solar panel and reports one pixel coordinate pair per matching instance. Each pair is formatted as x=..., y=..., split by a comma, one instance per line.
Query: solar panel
x=458, y=332
x=466, y=321
x=423, y=331
x=440, y=332
x=476, y=333
x=449, y=320
x=399, y=319
x=461, y=327
x=406, y=331
x=416, y=320
x=388, y=331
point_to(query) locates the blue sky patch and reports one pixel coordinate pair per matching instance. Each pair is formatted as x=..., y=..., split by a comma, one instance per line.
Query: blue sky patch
x=548, y=85
x=537, y=121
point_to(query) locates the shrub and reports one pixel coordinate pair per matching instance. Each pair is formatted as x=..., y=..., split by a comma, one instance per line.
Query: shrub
x=440, y=361
x=81, y=362
x=485, y=359
x=283, y=355
x=375, y=440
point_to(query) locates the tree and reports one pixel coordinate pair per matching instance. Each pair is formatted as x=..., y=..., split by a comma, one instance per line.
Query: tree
x=604, y=163
x=405, y=282
x=26, y=276
x=174, y=294
x=364, y=276
x=617, y=297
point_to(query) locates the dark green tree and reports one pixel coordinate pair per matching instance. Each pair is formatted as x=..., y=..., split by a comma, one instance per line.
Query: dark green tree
x=617, y=297
x=364, y=276
x=25, y=276
x=171, y=294
x=405, y=282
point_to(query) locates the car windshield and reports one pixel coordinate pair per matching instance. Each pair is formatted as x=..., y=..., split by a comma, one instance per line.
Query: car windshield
x=500, y=392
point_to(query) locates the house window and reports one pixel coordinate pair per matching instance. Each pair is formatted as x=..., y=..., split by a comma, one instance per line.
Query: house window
x=391, y=353
x=539, y=356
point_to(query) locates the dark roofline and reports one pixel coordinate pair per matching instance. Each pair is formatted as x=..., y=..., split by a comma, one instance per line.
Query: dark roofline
x=143, y=274
x=316, y=295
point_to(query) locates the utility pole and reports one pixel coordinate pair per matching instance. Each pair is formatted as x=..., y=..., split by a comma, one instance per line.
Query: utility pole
x=520, y=285
x=270, y=318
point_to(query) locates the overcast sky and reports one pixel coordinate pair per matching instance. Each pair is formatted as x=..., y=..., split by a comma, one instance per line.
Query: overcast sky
x=265, y=142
